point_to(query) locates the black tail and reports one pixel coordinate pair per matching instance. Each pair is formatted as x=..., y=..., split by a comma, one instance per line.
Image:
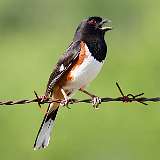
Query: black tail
x=43, y=136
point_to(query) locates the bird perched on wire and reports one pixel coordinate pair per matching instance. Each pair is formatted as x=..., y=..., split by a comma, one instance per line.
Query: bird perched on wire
x=76, y=68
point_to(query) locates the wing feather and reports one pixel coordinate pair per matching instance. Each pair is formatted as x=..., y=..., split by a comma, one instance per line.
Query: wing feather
x=63, y=65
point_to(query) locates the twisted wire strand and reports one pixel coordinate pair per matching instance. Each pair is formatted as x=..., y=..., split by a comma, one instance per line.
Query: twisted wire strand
x=123, y=98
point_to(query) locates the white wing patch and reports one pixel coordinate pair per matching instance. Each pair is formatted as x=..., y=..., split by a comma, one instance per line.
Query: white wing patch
x=61, y=68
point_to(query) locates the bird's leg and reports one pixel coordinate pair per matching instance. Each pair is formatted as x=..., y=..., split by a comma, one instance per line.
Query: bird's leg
x=95, y=99
x=66, y=100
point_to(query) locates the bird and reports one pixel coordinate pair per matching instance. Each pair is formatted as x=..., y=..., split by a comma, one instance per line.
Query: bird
x=75, y=69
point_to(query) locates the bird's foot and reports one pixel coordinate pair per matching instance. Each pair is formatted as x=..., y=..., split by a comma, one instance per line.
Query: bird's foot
x=96, y=101
x=43, y=98
x=65, y=102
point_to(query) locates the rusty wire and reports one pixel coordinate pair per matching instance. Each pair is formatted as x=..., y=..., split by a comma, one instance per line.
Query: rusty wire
x=123, y=98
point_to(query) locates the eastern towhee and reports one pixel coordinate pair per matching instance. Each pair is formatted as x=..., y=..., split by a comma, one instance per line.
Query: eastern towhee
x=76, y=68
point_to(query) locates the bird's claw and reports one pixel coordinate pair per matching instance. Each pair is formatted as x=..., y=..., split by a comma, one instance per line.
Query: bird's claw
x=43, y=98
x=65, y=103
x=96, y=101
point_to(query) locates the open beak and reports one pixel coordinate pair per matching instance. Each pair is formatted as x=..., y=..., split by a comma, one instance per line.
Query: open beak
x=105, y=28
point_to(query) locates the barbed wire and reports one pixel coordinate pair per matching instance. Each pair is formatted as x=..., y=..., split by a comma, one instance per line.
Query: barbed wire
x=123, y=98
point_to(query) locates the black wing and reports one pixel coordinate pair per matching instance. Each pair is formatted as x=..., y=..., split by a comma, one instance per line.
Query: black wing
x=63, y=64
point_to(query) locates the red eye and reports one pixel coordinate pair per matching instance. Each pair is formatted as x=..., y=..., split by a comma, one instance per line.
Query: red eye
x=92, y=22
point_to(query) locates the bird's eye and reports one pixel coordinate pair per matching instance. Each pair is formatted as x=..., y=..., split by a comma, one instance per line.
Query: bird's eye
x=92, y=22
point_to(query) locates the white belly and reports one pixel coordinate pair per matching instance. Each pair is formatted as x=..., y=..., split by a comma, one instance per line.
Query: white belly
x=84, y=73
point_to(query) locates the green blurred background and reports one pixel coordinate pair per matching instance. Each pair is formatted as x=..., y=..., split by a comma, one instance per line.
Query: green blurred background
x=33, y=33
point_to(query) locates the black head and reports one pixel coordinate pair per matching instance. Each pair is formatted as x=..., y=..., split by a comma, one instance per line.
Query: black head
x=93, y=26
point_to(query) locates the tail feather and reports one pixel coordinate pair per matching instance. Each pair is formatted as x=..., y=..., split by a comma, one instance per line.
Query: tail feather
x=43, y=136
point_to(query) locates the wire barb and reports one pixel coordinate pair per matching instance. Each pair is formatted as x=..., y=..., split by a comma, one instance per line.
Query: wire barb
x=129, y=98
x=38, y=100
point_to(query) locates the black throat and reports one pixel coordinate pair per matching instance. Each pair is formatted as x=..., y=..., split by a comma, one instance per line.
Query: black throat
x=98, y=48
x=95, y=43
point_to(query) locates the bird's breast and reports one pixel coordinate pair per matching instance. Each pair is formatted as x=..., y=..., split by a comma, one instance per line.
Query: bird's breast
x=84, y=70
